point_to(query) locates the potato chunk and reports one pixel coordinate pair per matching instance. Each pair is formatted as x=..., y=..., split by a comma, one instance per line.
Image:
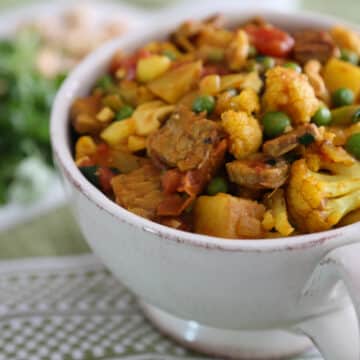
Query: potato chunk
x=341, y=74
x=228, y=216
x=346, y=38
x=177, y=82
x=118, y=131
x=152, y=67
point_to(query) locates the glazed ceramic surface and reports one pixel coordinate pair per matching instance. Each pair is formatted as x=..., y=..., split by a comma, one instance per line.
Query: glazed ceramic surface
x=238, y=289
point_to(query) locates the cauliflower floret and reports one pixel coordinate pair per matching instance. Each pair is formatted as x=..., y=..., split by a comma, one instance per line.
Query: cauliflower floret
x=277, y=216
x=247, y=100
x=346, y=38
x=318, y=201
x=291, y=92
x=228, y=216
x=244, y=132
x=238, y=50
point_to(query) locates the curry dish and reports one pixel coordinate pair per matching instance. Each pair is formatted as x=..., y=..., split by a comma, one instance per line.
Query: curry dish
x=249, y=132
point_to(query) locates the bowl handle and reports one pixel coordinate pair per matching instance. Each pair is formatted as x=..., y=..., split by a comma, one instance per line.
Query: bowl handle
x=336, y=334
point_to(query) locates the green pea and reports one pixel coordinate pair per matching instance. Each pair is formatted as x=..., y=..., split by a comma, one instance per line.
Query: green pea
x=349, y=56
x=352, y=145
x=266, y=61
x=275, y=123
x=342, y=97
x=322, y=117
x=217, y=185
x=60, y=78
x=170, y=54
x=125, y=112
x=294, y=66
x=105, y=82
x=90, y=172
x=203, y=103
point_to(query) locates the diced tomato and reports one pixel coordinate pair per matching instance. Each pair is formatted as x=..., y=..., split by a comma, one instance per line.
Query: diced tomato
x=102, y=149
x=179, y=63
x=171, y=180
x=129, y=65
x=105, y=176
x=131, y=73
x=102, y=156
x=213, y=69
x=85, y=161
x=189, y=182
x=143, y=53
x=116, y=62
x=173, y=205
x=270, y=40
x=192, y=182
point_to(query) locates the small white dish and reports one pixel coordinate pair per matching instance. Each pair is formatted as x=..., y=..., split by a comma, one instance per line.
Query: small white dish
x=251, y=299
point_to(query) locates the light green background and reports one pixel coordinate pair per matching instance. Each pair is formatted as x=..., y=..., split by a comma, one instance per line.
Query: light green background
x=56, y=233
x=347, y=9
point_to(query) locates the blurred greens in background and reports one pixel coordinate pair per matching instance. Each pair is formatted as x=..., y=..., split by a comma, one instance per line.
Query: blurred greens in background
x=25, y=102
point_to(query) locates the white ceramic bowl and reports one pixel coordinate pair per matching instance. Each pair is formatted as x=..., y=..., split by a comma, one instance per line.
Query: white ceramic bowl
x=252, y=299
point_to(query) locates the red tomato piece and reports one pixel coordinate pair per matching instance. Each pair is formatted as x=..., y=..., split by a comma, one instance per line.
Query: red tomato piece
x=171, y=180
x=103, y=150
x=116, y=62
x=105, y=176
x=85, y=162
x=214, y=70
x=172, y=205
x=102, y=157
x=143, y=53
x=270, y=40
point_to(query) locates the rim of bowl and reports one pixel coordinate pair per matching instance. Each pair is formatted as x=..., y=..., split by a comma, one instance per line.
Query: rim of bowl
x=84, y=76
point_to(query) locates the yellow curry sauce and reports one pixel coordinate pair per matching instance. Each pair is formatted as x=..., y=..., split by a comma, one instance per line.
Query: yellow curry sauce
x=249, y=132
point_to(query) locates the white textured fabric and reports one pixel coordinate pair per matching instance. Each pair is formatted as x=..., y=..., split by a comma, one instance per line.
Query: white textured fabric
x=72, y=308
